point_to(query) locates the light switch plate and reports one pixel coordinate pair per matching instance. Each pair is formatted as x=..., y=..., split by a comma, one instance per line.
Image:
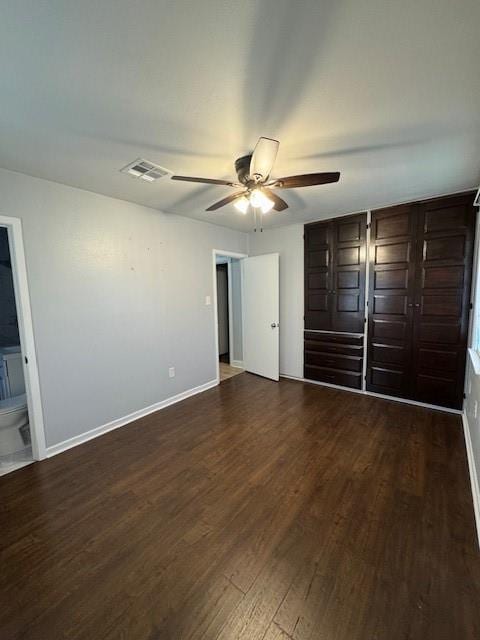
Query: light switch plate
x=171, y=372
x=208, y=301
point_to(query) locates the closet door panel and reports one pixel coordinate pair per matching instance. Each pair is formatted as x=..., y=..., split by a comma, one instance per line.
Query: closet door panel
x=335, y=264
x=390, y=306
x=318, y=275
x=388, y=354
x=348, y=271
x=445, y=235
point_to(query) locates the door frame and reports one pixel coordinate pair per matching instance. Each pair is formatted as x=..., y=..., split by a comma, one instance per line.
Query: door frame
x=227, y=254
x=27, y=339
x=225, y=268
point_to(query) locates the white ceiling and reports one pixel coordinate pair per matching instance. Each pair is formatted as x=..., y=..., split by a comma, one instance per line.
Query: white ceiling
x=386, y=92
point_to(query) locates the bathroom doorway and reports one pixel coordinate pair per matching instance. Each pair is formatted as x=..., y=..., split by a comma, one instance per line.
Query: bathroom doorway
x=21, y=422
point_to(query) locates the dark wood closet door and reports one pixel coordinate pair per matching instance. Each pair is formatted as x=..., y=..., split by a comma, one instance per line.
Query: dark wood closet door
x=390, y=305
x=318, y=275
x=348, y=273
x=335, y=258
x=445, y=235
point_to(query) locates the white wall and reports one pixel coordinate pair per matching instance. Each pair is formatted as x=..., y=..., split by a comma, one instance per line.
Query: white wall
x=288, y=242
x=117, y=293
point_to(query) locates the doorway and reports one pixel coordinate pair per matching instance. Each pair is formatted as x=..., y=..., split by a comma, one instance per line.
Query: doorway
x=246, y=314
x=22, y=438
x=229, y=316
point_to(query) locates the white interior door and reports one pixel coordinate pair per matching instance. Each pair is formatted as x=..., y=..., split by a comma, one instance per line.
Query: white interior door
x=261, y=315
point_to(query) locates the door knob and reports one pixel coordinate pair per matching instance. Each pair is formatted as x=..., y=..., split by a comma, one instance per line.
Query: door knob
x=274, y=325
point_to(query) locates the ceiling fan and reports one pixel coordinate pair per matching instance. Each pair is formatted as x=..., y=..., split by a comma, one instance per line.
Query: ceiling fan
x=253, y=173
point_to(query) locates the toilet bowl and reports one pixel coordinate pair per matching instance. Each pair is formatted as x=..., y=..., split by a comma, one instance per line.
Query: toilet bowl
x=13, y=416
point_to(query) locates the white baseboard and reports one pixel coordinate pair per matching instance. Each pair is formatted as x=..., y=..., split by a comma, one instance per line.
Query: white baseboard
x=237, y=363
x=364, y=392
x=473, y=473
x=120, y=422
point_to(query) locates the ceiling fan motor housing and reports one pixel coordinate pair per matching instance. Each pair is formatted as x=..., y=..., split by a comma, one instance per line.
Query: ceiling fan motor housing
x=253, y=171
x=242, y=167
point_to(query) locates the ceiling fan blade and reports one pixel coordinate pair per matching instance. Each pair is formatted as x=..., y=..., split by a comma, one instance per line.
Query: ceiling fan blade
x=305, y=180
x=263, y=158
x=226, y=183
x=279, y=204
x=227, y=200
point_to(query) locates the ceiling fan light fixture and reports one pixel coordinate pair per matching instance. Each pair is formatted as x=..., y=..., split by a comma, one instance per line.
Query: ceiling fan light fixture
x=253, y=172
x=242, y=205
x=267, y=207
x=259, y=200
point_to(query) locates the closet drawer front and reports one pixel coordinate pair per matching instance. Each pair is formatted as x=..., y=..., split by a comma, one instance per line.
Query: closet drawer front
x=336, y=358
x=334, y=361
x=332, y=348
x=334, y=376
x=327, y=337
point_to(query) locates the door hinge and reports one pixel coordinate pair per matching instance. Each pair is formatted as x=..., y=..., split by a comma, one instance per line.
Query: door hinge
x=471, y=305
x=26, y=360
x=369, y=225
x=464, y=396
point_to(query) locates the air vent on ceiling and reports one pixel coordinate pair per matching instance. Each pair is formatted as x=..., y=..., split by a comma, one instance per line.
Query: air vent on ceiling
x=145, y=170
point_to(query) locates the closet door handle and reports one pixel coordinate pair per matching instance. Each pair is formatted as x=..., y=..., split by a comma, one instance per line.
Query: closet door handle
x=410, y=304
x=417, y=305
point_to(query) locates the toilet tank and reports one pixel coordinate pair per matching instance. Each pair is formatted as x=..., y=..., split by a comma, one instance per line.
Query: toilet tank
x=12, y=381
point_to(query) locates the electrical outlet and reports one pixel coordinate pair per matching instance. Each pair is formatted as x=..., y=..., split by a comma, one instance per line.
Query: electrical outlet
x=171, y=372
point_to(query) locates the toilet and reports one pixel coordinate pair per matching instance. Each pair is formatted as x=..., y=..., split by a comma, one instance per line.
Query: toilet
x=13, y=416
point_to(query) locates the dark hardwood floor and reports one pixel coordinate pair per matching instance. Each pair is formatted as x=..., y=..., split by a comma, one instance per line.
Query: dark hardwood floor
x=255, y=510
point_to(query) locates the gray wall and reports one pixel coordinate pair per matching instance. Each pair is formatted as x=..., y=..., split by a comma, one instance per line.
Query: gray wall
x=118, y=296
x=288, y=242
